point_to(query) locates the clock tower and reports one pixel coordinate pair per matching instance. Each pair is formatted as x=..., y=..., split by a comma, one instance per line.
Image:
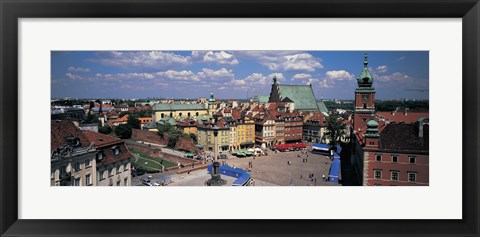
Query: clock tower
x=364, y=97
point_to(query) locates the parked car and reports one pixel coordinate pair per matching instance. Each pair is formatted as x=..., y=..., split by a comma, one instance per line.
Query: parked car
x=147, y=182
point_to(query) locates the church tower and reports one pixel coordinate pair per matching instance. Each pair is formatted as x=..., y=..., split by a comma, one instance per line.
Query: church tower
x=364, y=97
x=212, y=107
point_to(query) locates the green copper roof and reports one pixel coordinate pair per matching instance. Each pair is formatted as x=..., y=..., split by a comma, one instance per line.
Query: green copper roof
x=322, y=107
x=167, y=120
x=365, y=79
x=176, y=107
x=263, y=98
x=302, y=96
x=372, y=124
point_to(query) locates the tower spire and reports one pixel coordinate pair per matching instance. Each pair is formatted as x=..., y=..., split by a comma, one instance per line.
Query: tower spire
x=365, y=62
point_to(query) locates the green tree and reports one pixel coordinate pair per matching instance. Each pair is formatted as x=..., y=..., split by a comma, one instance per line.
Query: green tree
x=335, y=129
x=133, y=122
x=105, y=130
x=124, y=131
x=164, y=128
x=194, y=138
x=92, y=118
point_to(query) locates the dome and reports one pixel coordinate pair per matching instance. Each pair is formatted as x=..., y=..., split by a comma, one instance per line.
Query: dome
x=365, y=79
x=372, y=124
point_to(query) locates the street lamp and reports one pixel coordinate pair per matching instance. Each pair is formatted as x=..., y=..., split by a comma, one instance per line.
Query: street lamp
x=215, y=180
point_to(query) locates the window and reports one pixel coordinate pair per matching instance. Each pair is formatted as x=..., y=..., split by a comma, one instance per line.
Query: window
x=88, y=179
x=87, y=163
x=378, y=174
x=180, y=114
x=76, y=182
x=116, y=150
x=394, y=176
x=162, y=115
x=77, y=166
x=412, y=160
x=394, y=159
x=100, y=156
x=412, y=177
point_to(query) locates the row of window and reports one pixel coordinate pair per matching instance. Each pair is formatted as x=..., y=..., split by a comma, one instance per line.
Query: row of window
x=394, y=175
x=118, y=169
x=411, y=159
x=179, y=114
x=88, y=181
x=77, y=167
x=78, y=181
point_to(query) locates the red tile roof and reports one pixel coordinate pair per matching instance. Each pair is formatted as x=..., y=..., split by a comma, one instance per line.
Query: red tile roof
x=397, y=117
x=60, y=130
x=105, y=143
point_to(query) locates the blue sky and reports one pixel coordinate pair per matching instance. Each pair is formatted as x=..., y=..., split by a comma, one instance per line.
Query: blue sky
x=233, y=74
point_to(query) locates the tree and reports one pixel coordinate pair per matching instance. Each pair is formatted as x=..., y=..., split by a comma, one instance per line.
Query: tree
x=335, y=129
x=164, y=128
x=105, y=130
x=194, y=138
x=133, y=122
x=124, y=131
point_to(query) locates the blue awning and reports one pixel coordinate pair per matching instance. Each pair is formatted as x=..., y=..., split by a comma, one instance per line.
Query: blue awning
x=320, y=146
x=334, y=170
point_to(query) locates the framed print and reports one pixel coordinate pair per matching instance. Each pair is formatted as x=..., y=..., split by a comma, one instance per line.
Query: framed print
x=385, y=66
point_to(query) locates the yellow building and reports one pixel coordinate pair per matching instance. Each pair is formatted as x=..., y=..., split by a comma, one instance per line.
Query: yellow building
x=187, y=126
x=178, y=111
x=206, y=138
x=245, y=133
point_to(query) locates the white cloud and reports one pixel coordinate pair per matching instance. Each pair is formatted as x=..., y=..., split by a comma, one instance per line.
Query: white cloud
x=142, y=59
x=401, y=58
x=301, y=76
x=72, y=76
x=279, y=76
x=222, y=74
x=382, y=69
x=303, y=61
x=283, y=60
x=339, y=75
x=325, y=84
x=178, y=75
x=397, y=76
x=256, y=79
x=221, y=57
x=78, y=69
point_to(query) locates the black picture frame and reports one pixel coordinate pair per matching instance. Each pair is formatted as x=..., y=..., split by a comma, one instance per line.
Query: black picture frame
x=11, y=11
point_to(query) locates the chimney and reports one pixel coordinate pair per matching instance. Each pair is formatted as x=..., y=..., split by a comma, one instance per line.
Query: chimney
x=420, y=128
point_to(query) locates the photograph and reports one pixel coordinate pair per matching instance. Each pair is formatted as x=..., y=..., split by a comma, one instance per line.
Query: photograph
x=161, y=118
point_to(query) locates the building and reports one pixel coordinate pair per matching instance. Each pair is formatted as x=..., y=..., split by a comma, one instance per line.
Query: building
x=206, y=136
x=293, y=128
x=187, y=126
x=67, y=113
x=264, y=130
x=73, y=157
x=301, y=95
x=144, y=121
x=178, y=111
x=113, y=160
x=245, y=133
x=314, y=128
x=398, y=155
x=121, y=107
x=388, y=149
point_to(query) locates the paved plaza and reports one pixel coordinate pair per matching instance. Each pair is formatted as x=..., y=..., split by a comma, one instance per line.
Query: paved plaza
x=275, y=169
